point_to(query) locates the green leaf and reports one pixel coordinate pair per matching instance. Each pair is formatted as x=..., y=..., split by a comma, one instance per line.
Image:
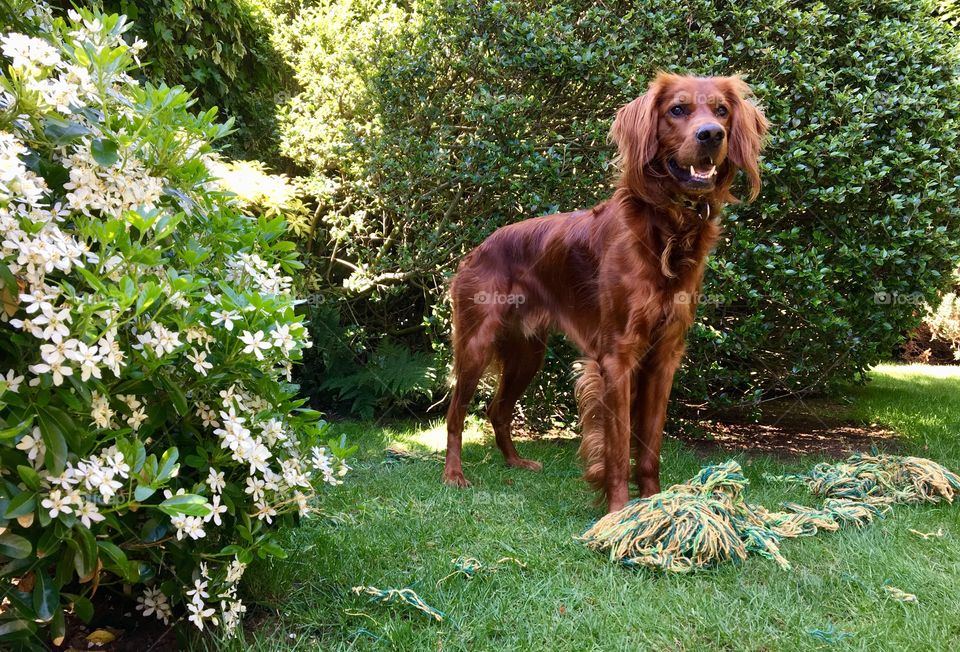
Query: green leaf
x=53, y=437
x=168, y=464
x=86, y=560
x=187, y=504
x=14, y=546
x=63, y=132
x=46, y=597
x=177, y=396
x=21, y=504
x=15, y=629
x=9, y=433
x=29, y=477
x=104, y=151
x=273, y=550
x=142, y=492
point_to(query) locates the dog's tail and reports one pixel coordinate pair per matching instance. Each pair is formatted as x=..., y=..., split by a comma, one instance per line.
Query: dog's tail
x=589, y=390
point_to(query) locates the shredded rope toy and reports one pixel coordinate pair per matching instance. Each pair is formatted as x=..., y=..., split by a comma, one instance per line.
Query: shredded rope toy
x=401, y=596
x=880, y=479
x=706, y=521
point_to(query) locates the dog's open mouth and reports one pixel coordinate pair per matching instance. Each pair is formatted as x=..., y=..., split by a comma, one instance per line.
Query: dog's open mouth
x=701, y=175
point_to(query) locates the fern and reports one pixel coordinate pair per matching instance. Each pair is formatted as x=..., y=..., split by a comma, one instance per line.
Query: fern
x=392, y=375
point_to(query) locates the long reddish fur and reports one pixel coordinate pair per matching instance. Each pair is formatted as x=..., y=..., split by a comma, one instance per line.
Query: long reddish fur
x=620, y=280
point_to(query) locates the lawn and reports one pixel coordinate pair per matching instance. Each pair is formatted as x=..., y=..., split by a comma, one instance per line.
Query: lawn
x=396, y=525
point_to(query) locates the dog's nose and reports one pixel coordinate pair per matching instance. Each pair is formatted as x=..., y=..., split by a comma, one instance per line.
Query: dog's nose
x=710, y=134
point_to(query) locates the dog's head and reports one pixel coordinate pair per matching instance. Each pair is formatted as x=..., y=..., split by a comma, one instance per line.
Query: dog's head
x=688, y=136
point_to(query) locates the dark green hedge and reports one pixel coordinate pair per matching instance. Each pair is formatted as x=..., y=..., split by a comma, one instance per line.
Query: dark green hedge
x=429, y=128
x=222, y=50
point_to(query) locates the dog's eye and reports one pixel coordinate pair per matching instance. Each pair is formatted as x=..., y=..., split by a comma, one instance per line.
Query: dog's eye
x=677, y=110
x=722, y=111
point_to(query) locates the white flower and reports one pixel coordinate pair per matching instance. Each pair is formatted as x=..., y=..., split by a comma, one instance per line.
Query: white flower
x=225, y=317
x=131, y=401
x=57, y=369
x=215, y=480
x=216, y=509
x=29, y=53
x=136, y=419
x=89, y=514
x=115, y=190
x=55, y=322
x=100, y=410
x=264, y=512
x=282, y=339
x=118, y=464
x=191, y=526
x=255, y=343
x=254, y=487
x=154, y=601
x=208, y=415
x=235, y=571
x=89, y=359
x=198, y=591
x=112, y=356
x=13, y=381
x=232, y=612
x=198, y=614
x=56, y=503
x=199, y=360
x=34, y=447
x=302, y=507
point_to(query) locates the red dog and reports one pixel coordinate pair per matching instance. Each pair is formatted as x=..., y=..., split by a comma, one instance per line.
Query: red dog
x=620, y=280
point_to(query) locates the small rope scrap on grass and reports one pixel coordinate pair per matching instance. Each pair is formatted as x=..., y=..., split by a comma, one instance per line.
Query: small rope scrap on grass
x=880, y=478
x=470, y=567
x=401, y=596
x=706, y=521
x=900, y=595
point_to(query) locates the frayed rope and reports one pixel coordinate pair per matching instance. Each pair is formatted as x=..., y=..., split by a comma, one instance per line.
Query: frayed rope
x=706, y=521
x=401, y=596
x=470, y=567
x=880, y=479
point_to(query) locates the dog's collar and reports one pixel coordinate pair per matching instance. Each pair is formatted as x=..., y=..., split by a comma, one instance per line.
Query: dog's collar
x=701, y=208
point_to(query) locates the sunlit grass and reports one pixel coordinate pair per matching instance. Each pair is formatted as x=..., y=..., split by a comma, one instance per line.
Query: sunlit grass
x=396, y=525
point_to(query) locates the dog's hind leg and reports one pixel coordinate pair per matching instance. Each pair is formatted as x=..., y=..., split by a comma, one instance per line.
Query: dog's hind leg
x=475, y=331
x=520, y=360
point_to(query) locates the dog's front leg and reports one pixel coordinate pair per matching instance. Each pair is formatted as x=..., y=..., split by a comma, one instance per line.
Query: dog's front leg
x=653, y=382
x=616, y=408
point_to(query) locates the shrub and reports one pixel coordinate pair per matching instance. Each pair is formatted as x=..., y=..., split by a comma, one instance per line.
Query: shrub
x=149, y=432
x=222, y=51
x=439, y=121
x=937, y=339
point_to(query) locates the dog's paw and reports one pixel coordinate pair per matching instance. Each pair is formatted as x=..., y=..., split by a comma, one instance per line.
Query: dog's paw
x=455, y=478
x=522, y=463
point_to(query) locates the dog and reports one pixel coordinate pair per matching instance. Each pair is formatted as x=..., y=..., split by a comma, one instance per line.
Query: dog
x=620, y=280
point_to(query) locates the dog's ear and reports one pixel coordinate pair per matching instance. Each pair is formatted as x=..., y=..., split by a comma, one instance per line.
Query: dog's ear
x=634, y=132
x=748, y=128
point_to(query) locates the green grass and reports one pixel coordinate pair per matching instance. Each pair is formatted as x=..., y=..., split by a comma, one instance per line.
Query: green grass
x=398, y=526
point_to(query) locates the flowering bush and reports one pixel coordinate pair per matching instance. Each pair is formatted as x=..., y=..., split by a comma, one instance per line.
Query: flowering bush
x=149, y=431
